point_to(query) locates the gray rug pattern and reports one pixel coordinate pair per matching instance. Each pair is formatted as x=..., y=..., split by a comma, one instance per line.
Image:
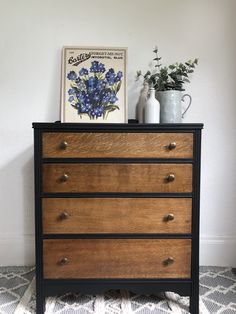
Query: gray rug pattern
x=217, y=295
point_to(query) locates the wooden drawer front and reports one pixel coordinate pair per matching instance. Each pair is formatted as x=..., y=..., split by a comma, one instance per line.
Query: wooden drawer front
x=117, y=258
x=116, y=215
x=104, y=145
x=98, y=177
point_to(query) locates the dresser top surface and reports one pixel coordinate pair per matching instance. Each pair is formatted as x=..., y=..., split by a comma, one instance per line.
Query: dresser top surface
x=117, y=126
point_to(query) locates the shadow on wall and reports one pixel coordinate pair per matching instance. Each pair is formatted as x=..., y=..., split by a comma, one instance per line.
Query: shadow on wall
x=134, y=90
x=53, y=105
x=17, y=204
x=28, y=206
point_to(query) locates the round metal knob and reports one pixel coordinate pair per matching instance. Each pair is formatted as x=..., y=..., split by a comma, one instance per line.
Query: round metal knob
x=169, y=261
x=172, y=145
x=169, y=217
x=63, y=145
x=170, y=177
x=64, y=177
x=64, y=261
x=63, y=216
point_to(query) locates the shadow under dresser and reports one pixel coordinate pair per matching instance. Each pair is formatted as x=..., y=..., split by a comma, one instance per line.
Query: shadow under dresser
x=117, y=207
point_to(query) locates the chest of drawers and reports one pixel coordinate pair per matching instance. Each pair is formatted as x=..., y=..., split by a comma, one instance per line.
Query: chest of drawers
x=117, y=207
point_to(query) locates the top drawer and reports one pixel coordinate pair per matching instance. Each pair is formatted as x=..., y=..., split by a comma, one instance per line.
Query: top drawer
x=117, y=145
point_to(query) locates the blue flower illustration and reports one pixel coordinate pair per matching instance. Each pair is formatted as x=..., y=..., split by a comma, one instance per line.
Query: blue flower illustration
x=71, y=98
x=83, y=71
x=118, y=76
x=110, y=76
x=71, y=91
x=101, y=68
x=93, y=91
x=72, y=76
x=113, y=98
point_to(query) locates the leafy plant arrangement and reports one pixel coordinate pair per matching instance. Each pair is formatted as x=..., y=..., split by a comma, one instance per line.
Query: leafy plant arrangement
x=172, y=77
x=93, y=91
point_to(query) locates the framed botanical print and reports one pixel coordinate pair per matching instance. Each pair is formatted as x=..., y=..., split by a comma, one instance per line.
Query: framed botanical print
x=94, y=85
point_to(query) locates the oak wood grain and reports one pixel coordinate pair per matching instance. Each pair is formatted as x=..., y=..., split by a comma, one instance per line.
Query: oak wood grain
x=117, y=258
x=116, y=215
x=132, y=178
x=117, y=145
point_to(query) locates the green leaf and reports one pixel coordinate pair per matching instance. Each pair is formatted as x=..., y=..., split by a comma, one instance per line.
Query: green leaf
x=155, y=50
x=186, y=80
x=118, y=87
x=172, y=67
x=139, y=73
x=112, y=107
x=147, y=74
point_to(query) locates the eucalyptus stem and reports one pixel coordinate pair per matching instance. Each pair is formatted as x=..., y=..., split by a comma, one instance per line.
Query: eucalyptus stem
x=172, y=77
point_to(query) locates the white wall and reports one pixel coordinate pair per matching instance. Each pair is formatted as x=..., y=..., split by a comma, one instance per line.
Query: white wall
x=32, y=33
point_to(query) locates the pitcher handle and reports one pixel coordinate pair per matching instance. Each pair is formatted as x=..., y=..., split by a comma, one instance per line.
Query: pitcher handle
x=190, y=101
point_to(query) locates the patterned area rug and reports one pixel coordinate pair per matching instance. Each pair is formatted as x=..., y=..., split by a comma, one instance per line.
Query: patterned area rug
x=217, y=290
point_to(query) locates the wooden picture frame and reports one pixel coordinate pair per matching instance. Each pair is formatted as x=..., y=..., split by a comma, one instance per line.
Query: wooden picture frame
x=93, y=88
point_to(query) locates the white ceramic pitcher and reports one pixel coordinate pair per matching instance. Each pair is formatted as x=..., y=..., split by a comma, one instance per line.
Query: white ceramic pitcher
x=171, y=105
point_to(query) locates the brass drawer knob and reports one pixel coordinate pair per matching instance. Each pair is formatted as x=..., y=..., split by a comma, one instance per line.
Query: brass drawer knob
x=170, y=177
x=172, y=145
x=64, y=177
x=169, y=217
x=64, y=261
x=169, y=261
x=63, y=216
x=63, y=145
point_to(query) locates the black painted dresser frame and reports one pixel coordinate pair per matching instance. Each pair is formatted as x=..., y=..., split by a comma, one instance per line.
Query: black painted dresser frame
x=185, y=287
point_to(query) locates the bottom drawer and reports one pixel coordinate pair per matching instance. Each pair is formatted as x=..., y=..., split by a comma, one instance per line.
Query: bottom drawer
x=117, y=258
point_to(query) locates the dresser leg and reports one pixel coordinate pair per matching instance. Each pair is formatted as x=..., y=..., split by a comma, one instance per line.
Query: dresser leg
x=40, y=304
x=194, y=302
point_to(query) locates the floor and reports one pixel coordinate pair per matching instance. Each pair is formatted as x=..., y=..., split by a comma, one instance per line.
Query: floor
x=217, y=291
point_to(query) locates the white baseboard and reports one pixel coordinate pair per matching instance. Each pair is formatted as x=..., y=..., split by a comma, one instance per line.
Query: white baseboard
x=16, y=250
x=214, y=250
x=218, y=251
